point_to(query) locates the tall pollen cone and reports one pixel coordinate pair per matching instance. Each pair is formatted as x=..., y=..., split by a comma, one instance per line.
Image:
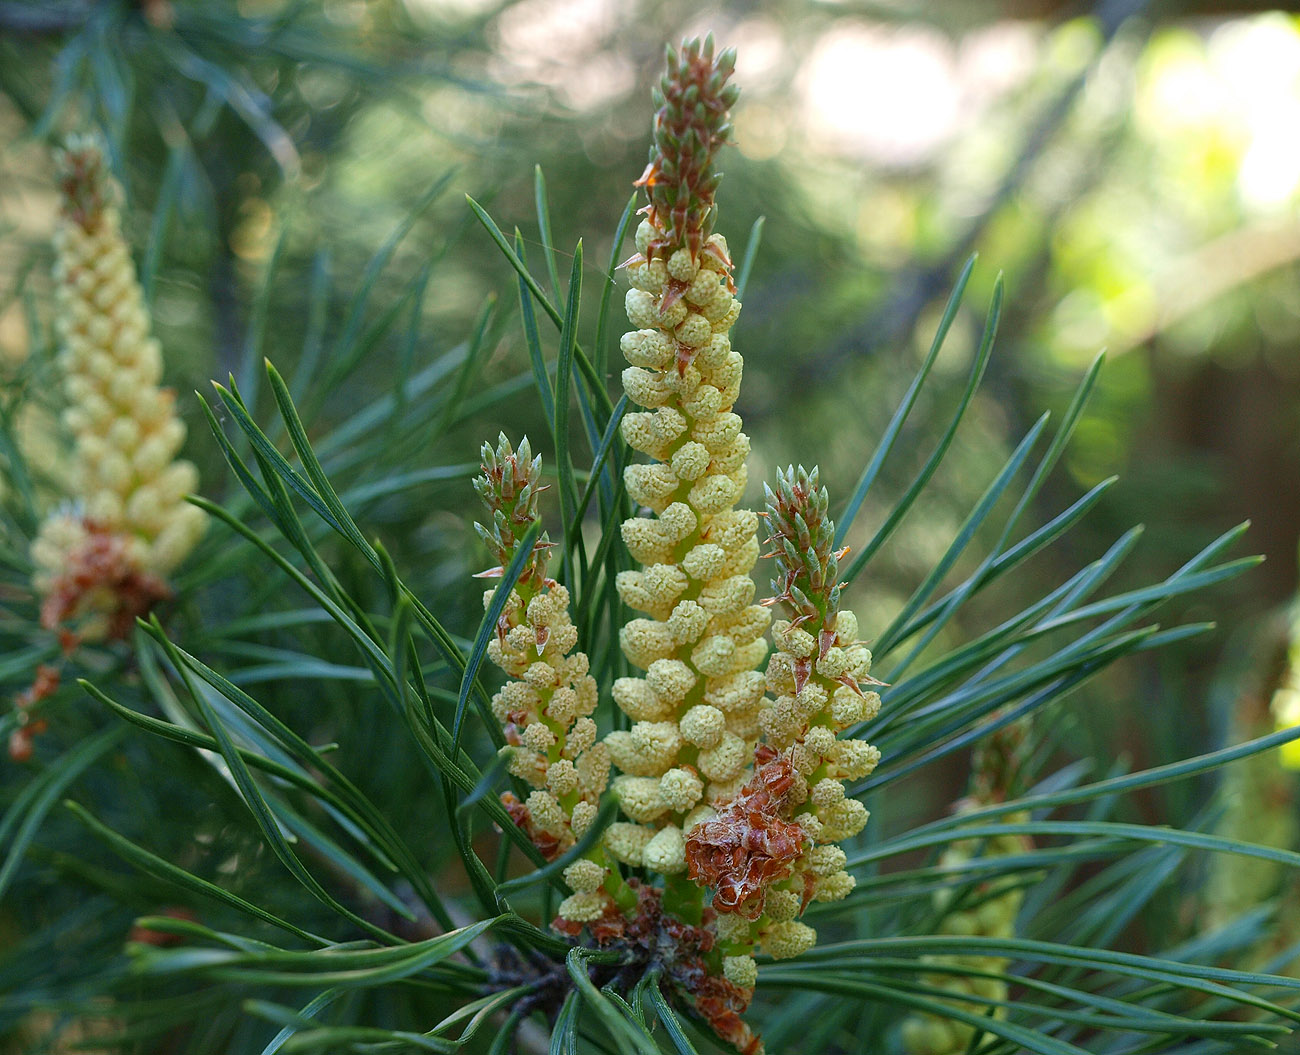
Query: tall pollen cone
x=546, y=705
x=987, y=909
x=104, y=560
x=695, y=709
x=772, y=849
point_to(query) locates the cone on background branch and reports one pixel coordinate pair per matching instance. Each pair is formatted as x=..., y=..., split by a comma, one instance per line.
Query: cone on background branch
x=985, y=909
x=1259, y=798
x=103, y=560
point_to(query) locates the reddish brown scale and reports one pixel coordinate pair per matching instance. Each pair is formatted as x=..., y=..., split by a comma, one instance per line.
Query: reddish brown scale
x=547, y=844
x=610, y=927
x=851, y=682
x=84, y=186
x=499, y=572
x=567, y=927
x=721, y=1003
x=47, y=681
x=748, y=846
x=809, y=889
x=20, y=740
x=162, y=938
x=685, y=356
x=802, y=672
x=712, y=249
x=103, y=563
x=519, y=813
x=826, y=639
x=673, y=292
x=680, y=950
x=784, y=596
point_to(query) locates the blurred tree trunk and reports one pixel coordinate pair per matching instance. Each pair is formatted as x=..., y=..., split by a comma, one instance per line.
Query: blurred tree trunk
x=1242, y=417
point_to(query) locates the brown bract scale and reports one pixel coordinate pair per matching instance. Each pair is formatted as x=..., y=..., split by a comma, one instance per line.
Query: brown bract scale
x=102, y=577
x=85, y=186
x=549, y=845
x=30, y=727
x=656, y=939
x=748, y=846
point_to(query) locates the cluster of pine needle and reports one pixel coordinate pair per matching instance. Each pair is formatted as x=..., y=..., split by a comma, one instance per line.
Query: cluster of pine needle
x=280, y=783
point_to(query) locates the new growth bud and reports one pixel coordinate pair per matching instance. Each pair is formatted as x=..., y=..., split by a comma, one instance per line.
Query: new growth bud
x=692, y=121
x=509, y=487
x=802, y=538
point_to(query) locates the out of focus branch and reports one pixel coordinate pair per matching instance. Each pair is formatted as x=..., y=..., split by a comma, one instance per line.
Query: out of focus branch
x=42, y=18
x=918, y=286
x=1215, y=269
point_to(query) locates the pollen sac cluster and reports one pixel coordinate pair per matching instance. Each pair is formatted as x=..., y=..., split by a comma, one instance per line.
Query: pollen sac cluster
x=695, y=709
x=772, y=849
x=750, y=844
x=105, y=560
x=546, y=709
x=546, y=705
